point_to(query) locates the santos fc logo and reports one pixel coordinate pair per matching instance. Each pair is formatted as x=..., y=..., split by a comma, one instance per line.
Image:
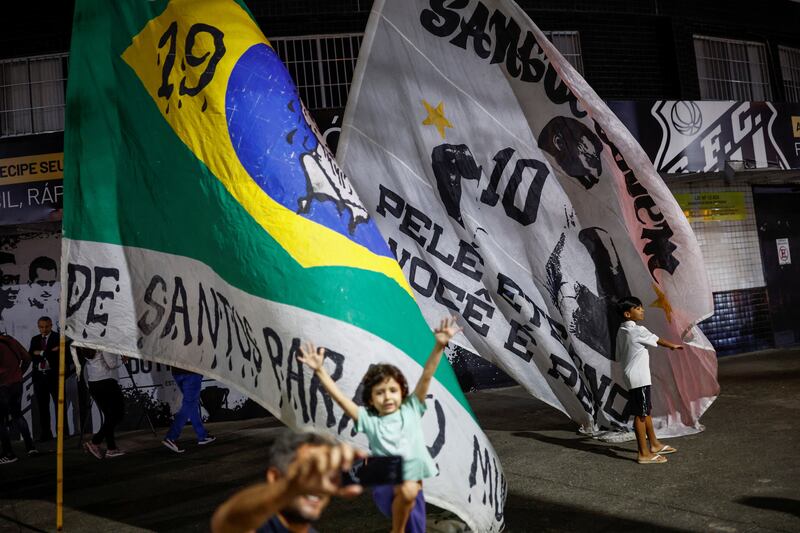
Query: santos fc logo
x=702, y=136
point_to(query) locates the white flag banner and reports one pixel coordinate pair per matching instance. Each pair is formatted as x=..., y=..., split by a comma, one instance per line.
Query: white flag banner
x=512, y=195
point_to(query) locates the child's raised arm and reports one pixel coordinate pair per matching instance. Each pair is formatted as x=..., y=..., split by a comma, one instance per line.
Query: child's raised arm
x=313, y=357
x=446, y=331
x=670, y=345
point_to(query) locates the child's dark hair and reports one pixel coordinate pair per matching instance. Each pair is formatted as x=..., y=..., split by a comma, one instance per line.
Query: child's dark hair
x=627, y=303
x=375, y=375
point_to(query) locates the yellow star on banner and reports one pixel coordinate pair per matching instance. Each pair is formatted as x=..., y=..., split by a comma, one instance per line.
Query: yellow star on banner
x=436, y=117
x=662, y=302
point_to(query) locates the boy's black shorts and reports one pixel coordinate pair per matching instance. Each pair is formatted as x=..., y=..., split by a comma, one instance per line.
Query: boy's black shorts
x=640, y=401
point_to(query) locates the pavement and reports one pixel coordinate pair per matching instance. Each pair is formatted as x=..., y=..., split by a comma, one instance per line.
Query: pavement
x=742, y=474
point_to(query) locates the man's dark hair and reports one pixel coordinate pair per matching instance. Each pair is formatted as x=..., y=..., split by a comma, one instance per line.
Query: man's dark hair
x=627, y=303
x=285, y=446
x=7, y=259
x=44, y=319
x=375, y=375
x=42, y=262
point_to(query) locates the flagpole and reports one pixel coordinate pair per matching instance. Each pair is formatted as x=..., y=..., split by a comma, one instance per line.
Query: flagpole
x=62, y=359
x=60, y=435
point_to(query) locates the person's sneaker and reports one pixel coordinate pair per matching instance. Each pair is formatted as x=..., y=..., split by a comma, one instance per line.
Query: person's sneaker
x=208, y=440
x=114, y=453
x=32, y=452
x=170, y=444
x=8, y=459
x=93, y=449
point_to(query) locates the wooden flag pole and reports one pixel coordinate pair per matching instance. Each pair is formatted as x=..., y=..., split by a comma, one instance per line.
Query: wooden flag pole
x=62, y=359
x=60, y=432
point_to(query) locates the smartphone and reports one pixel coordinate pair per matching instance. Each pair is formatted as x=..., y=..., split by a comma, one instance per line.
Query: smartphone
x=380, y=470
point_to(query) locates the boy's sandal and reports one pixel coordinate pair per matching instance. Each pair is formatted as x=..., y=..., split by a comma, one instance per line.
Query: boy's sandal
x=666, y=449
x=656, y=459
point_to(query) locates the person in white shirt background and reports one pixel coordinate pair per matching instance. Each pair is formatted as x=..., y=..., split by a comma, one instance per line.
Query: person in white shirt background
x=101, y=374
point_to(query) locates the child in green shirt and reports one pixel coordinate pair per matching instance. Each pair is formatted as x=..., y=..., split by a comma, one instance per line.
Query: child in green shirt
x=391, y=418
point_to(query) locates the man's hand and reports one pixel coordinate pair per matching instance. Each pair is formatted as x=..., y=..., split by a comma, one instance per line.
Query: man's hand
x=311, y=356
x=447, y=330
x=319, y=471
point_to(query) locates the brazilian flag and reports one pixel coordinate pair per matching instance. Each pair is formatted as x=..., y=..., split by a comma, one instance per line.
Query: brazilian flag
x=207, y=226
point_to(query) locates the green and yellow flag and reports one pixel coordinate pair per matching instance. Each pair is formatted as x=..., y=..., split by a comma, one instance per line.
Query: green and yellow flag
x=208, y=226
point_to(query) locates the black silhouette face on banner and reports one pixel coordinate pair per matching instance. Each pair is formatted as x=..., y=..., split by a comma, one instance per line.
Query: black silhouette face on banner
x=595, y=320
x=451, y=163
x=575, y=148
x=9, y=283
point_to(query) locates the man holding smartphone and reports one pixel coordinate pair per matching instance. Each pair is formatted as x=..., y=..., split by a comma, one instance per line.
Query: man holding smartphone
x=304, y=470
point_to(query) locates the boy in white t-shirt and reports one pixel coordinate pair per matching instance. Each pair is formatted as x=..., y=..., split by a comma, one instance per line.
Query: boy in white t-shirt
x=632, y=354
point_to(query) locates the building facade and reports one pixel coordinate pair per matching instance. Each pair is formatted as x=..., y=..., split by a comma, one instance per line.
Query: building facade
x=711, y=90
